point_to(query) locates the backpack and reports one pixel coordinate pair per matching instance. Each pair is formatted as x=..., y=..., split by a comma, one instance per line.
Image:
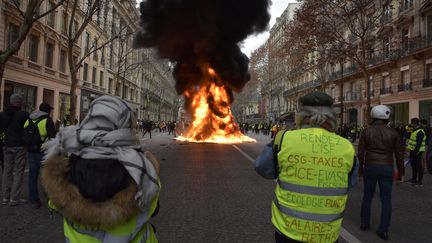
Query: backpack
x=31, y=136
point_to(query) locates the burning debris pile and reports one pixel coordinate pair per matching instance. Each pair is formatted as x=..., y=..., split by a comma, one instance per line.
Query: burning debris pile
x=201, y=37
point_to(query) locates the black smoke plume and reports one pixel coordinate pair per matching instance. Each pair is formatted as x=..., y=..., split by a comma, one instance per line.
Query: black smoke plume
x=196, y=34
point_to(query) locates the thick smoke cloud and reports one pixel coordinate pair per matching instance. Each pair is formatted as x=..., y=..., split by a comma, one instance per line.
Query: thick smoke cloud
x=198, y=33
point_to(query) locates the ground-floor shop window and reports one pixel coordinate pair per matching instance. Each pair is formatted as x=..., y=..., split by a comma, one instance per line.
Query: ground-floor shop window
x=426, y=110
x=27, y=92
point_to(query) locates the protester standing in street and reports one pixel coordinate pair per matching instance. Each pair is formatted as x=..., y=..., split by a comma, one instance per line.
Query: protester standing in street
x=302, y=161
x=46, y=130
x=99, y=178
x=416, y=147
x=11, y=122
x=378, y=144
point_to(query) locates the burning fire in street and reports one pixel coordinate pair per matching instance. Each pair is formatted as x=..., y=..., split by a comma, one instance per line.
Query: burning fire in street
x=213, y=121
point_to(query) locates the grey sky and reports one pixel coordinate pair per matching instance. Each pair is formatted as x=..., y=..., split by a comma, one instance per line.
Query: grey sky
x=253, y=42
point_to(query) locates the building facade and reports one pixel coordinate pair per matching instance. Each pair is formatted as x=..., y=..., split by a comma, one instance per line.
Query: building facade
x=278, y=64
x=40, y=70
x=400, y=67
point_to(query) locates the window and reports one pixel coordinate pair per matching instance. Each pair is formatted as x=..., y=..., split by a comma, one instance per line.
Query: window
x=85, y=72
x=110, y=85
x=51, y=16
x=429, y=28
x=405, y=39
x=111, y=55
x=49, y=52
x=13, y=33
x=103, y=55
x=429, y=71
x=63, y=61
x=405, y=77
x=132, y=94
x=95, y=54
x=94, y=76
x=386, y=47
x=75, y=27
x=86, y=42
x=64, y=22
x=101, y=79
x=386, y=82
x=33, y=47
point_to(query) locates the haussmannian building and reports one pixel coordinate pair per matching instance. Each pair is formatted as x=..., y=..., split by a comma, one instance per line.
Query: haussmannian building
x=40, y=72
x=400, y=66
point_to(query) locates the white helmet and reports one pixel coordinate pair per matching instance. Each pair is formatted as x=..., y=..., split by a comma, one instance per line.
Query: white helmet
x=382, y=112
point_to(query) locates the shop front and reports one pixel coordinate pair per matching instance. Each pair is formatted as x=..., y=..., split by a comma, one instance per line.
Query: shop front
x=400, y=113
x=27, y=92
x=426, y=110
x=87, y=97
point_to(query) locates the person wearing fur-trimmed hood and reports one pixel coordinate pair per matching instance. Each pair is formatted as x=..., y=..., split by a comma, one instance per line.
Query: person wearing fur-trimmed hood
x=97, y=176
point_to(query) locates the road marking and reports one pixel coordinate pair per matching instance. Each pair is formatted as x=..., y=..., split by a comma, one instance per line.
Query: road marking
x=343, y=233
x=244, y=154
x=348, y=236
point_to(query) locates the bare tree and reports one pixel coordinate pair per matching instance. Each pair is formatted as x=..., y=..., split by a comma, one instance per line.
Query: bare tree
x=29, y=13
x=347, y=29
x=81, y=15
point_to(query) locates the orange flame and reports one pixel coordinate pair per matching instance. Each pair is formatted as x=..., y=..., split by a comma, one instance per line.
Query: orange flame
x=213, y=121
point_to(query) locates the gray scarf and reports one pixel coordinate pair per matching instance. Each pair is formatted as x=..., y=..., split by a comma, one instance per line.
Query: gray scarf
x=106, y=133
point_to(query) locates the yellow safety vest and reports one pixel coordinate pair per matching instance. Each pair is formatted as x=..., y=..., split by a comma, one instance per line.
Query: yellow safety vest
x=413, y=140
x=312, y=188
x=41, y=127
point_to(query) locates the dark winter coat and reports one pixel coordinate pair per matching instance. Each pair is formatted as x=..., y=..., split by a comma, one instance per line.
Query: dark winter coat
x=12, y=124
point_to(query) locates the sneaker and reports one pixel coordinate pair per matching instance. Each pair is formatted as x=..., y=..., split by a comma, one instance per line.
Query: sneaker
x=419, y=184
x=17, y=202
x=382, y=234
x=5, y=201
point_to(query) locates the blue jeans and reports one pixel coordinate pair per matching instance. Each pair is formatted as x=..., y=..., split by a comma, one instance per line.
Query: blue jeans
x=383, y=174
x=34, y=159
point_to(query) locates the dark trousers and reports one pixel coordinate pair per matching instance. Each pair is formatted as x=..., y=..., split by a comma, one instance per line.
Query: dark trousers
x=417, y=167
x=34, y=160
x=147, y=131
x=281, y=238
x=383, y=174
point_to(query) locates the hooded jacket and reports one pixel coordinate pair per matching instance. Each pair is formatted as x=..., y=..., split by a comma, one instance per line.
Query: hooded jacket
x=50, y=127
x=66, y=199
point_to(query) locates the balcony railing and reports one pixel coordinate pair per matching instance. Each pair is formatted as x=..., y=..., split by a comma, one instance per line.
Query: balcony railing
x=427, y=83
x=308, y=85
x=385, y=90
x=353, y=96
x=404, y=87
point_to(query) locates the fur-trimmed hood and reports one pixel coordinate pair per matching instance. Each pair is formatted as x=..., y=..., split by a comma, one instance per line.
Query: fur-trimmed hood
x=69, y=202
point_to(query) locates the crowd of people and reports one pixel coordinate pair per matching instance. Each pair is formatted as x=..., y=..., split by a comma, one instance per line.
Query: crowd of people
x=172, y=127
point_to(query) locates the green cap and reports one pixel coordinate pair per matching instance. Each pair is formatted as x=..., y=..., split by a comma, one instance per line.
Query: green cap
x=316, y=99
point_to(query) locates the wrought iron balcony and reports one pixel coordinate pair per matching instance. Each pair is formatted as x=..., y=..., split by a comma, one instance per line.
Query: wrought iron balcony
x=427, y=83
x=386, y=90
x=404, y=87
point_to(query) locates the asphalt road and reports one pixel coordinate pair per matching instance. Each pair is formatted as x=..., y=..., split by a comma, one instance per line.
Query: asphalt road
x=211, y=193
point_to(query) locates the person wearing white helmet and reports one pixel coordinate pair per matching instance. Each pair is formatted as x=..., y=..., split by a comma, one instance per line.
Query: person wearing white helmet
x=377, y=145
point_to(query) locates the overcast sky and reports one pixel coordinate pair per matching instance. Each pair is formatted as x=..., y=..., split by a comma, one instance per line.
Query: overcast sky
x=253, y=42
